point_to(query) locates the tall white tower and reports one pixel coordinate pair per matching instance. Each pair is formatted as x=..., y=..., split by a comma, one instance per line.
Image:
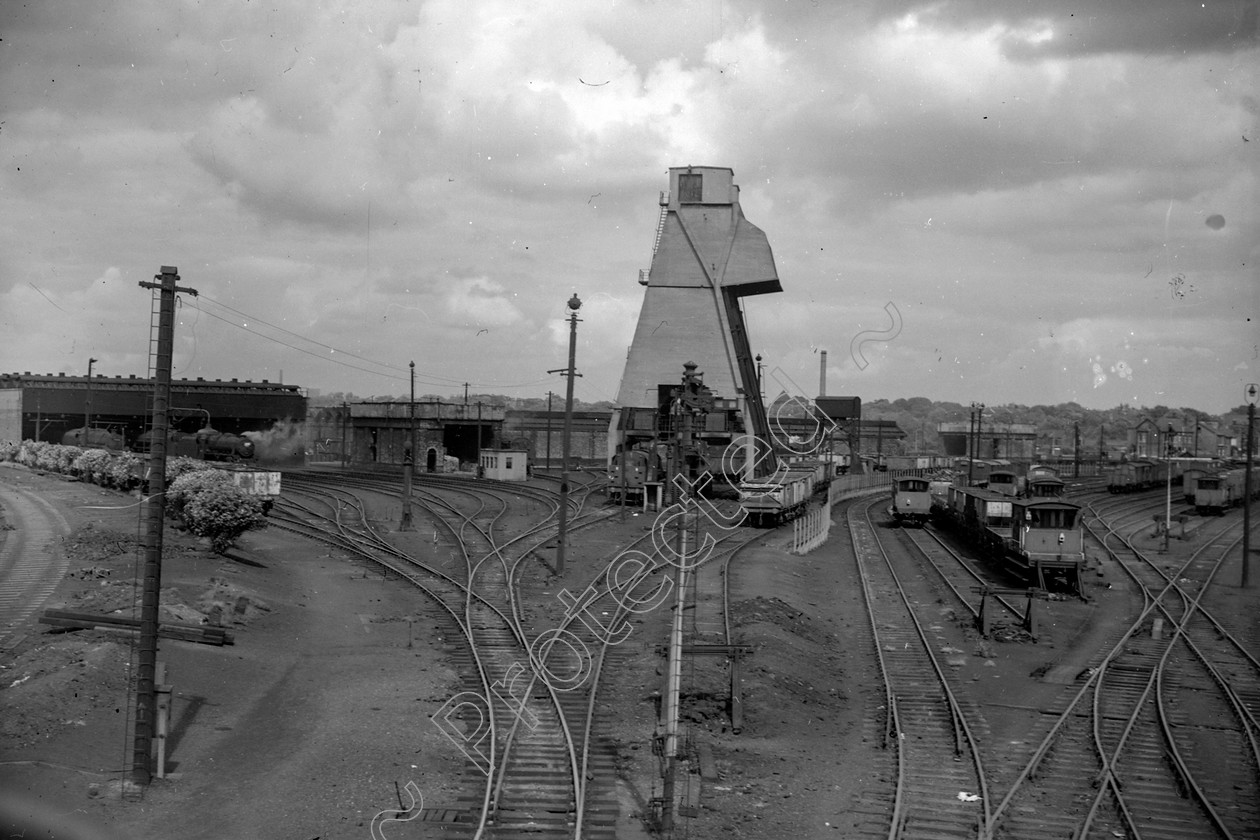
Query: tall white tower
x=707, y=257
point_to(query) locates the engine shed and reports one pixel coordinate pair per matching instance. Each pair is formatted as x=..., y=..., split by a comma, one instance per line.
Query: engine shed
x=45, y=407
x=380, y=431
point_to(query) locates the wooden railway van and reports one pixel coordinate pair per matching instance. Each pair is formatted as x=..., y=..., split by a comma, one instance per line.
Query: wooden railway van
x=1047, y=537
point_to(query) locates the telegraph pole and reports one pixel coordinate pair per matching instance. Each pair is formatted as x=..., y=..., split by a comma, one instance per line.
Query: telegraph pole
x=1253, y=393
x=974, y=439
x=409, y=459
x=478, y=472
x=549, y=396
x=1076, y=450
x=574, y=305
x=155, y=511
x=86, y=442
x=345, y=419
x=1168, y=453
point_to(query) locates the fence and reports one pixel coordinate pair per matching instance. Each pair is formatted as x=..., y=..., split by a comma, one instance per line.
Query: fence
x=812, y=529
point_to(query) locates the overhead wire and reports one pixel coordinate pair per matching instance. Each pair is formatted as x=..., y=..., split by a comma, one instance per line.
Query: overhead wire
x=402, y=375
x=311, y=353
x=302, y=337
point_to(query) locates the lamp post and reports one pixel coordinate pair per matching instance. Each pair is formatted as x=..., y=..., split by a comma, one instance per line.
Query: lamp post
x=87, y=409
x=574, y=304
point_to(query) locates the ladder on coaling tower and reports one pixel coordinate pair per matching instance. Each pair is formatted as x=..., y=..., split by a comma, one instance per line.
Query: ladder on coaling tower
x=660, y=223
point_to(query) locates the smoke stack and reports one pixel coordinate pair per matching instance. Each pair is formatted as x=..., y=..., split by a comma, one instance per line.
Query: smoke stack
x=822, y=374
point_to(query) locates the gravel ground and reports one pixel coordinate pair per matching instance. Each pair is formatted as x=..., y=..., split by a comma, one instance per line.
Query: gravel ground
x=317, y=718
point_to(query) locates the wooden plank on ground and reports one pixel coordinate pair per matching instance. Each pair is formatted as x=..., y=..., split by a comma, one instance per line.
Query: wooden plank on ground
x=184, y=632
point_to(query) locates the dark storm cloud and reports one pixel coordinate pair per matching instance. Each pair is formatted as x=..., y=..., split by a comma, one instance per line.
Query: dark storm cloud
x=421, y=175
x=1146, y=27
x=1170, y=27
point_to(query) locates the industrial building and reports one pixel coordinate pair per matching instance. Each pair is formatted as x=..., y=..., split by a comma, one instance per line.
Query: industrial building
x=44, y=407
x=450, y=435
x=1009, y=441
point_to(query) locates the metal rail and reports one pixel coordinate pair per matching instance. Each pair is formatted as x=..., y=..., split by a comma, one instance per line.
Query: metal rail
x=934, y=778
x=1129, y=724
x=489, y=578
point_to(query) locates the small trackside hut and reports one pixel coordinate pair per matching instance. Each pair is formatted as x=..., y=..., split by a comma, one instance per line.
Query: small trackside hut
x=505, y=464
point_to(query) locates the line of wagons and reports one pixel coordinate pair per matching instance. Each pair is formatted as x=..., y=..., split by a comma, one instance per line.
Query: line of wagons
x=1211, y=488
x=766, y=502
x=1142, y=474
x=1022, y=522
x=1214, y=491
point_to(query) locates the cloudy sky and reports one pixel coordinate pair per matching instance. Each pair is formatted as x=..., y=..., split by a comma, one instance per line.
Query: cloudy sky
x=990, y=200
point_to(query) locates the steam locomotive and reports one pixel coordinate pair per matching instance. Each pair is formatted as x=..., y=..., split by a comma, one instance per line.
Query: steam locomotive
x=206, y=444
x=94, y=438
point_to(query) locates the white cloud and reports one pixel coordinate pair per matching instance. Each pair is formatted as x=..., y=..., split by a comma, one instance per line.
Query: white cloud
x=480, y=302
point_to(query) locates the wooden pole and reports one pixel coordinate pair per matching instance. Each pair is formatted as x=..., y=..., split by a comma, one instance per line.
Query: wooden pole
x=409, y=456
x=345, y=420
x=155, y=512
x=548, y=456
x=1251, y=442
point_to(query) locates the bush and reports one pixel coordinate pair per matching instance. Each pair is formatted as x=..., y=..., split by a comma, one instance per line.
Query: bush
x=29, y=453
x=210, y=505
x=50, y=457
x=181, y=464
x=92, y=465
x=126, y=470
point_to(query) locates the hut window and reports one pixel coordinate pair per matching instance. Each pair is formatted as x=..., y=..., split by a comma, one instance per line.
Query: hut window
x=689, y=188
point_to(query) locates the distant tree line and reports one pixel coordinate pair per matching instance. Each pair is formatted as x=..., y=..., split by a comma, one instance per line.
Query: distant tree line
x=919, y=417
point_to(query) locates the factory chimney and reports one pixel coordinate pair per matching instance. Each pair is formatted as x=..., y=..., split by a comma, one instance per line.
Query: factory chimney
x=822, y=374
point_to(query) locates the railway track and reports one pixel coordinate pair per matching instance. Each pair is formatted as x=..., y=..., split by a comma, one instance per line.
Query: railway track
x=963, y=578
x=1157, y=738
x=29, y=567
x=1120, y=753
x=1200, y=684
x=492, y=654
x=709, y=625
x=1110, y=761
x=527, y=741
x=941, y=789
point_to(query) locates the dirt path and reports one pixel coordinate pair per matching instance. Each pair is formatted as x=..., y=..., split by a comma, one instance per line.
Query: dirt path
x=300, y=729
